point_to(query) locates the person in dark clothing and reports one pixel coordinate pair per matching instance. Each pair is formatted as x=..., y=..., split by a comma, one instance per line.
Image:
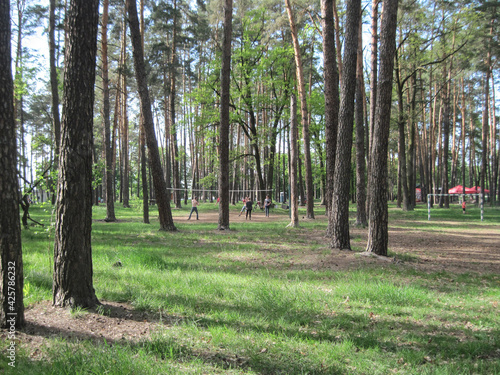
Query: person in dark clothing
x=267, y=205
x=249, y=205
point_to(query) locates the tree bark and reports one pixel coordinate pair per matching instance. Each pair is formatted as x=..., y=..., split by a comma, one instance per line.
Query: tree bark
x=303, y=111
x=162, y=196
x=225, y=78
x=493, y=146
x=331, y=77
x=142, y=143
x=294, y=201
x=402, y=173
x=11, y=266
x=337, y=39
x=485, y=120
x=124, y=118
x=378, y=212
x=360, y=135
x=338, y=219
x=108, y=149
x=446, y=136
x=54, y=84
x=411, y=170
x=19, y=98
x=72, y=280
x=173, y=126
x=373, y=90
x=462, y=135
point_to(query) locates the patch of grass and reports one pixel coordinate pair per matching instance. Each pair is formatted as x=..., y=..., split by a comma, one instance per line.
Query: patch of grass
x=78, y=312
x=242, y=306
x=403, y=257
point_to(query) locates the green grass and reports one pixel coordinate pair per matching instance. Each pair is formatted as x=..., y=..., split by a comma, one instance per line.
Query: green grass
x=241, y=306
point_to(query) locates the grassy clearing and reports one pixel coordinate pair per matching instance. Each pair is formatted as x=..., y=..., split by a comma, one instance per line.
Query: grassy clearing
x=242, y=307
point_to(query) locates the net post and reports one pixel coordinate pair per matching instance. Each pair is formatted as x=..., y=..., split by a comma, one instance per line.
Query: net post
x=428, y=207
x=482, y=206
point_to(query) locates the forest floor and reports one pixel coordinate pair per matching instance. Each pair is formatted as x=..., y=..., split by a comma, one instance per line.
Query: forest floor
x=454, y=251
x=419, y=251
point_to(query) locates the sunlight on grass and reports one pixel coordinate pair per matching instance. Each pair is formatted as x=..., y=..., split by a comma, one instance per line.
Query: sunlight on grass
x=250, y=301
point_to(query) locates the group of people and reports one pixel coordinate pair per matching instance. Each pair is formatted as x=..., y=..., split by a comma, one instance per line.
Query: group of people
x=247, y=206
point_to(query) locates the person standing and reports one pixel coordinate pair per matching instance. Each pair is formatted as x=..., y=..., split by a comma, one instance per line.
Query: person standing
x=463, y=206
x=249, y=206
x=194, y=207
x=244, y=206
x=267, y=205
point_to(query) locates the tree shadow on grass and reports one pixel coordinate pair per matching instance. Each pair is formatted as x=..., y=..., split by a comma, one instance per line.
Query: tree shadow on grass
x=390, y=334
x=57, y=324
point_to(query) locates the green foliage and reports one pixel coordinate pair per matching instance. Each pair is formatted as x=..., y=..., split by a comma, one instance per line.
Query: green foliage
x=209, y=180
x=98, y=173
x=20, y=85
x=47, y=177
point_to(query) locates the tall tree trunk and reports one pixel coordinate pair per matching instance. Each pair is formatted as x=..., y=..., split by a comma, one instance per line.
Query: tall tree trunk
x=144, y=174
x=446, y=139
x=402, y=172
x=485, y=120
x=72, y=280
x=446, y=126
x=439, y=168
x=108, y=149
x=411, y=145
x=464, y=121
x=493, y=146
x=11, y=265
x=162, y=196
x=294, y=201
x=225, y=79
x=373, y=90
x=272, y=149
x=331, y=78
x=303, y=111
x=300, y=180
x=185, y=153
x=485, y=129
x=54, y=84
x=173, y=125
x=432, y=140
x=19, y=77
x=142, y=142
x=378, y=225
x=168, y=138
x=124, y=118
x=360, y=135
x=337, y=39
x=338, y=219
x=472, y=152
x=454, y=146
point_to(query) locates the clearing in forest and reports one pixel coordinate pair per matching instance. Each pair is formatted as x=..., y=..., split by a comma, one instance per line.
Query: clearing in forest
x=264, y=299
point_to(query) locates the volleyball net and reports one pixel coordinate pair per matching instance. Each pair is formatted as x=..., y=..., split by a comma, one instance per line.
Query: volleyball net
x=213, y=194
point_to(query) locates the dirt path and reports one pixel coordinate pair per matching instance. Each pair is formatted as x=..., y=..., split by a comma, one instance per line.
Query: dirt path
x=474, y=250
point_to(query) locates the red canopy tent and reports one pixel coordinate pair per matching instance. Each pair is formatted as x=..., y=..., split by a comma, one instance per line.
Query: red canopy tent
x=477, y=190
x=459, y=189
